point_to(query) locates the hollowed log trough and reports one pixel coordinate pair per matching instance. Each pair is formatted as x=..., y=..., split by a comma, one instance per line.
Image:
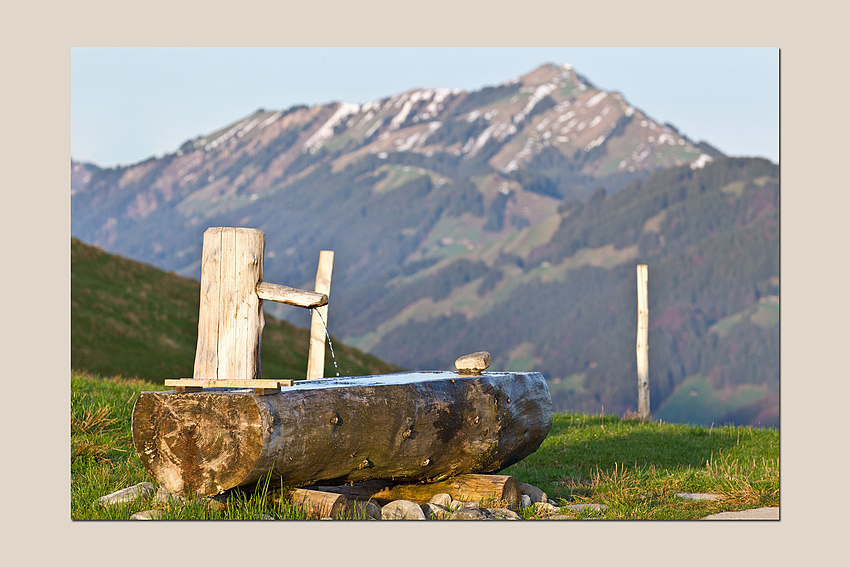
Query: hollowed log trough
x=419, y=427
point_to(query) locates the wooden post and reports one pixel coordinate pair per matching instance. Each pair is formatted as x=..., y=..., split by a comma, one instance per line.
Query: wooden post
x=318, y=332
x=643, y=343
x=230, y=320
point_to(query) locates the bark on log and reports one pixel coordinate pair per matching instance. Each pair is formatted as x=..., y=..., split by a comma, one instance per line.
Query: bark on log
x=407, y=427
x=465, y=488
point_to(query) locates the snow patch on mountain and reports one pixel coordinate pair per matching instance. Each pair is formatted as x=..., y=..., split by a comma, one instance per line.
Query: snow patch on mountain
x=539, y=94
x=324, y=133
x=701, y=161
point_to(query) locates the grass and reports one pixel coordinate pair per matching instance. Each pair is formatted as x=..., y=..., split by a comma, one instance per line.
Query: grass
x=634, y=468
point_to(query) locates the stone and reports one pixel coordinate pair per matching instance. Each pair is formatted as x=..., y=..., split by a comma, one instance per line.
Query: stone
x=435, y=511
x=143, y=490
x=698, y=496
x=558, y=517
x=473, y=363
x=504, y=514
x=442, y=499
x=467, y=513
x=265, y=517
x=148, y=515
x=764, y=513
x=364, y=510
x=533, y=492
x=546, y=508
x=525, y=500
x=402, y=510
x=591, y=506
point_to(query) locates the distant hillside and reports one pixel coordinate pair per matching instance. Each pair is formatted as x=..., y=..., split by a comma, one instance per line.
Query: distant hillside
x=131, y=319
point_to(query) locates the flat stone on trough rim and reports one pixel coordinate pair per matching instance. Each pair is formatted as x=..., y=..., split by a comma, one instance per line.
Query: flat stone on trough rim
x=473, y=363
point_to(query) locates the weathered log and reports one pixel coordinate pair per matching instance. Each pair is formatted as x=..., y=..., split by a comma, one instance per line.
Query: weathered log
x=464, y=488
x=410, y=427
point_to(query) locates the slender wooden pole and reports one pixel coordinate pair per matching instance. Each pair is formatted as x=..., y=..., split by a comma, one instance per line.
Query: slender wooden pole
x=643, y=343
x=316, y=359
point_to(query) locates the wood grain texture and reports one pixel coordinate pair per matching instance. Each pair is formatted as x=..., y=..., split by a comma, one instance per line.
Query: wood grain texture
x=318, y=503
x=230, y=320
x=642, y=344
x=318, y=333
x=407, y=427
x=206, y=355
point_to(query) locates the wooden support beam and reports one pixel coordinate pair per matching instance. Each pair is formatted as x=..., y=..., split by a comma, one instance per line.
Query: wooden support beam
x=290, y=295
x=318, y=330
x=464, y=488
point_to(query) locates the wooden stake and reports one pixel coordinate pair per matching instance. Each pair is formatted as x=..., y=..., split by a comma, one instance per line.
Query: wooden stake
x=318, y=332
x=643, y=343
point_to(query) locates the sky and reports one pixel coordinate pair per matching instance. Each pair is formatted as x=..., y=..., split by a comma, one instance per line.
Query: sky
x=128, y=104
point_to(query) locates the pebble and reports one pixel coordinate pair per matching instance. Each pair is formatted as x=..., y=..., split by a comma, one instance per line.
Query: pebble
x=402, y=510
x=698, y=496
x=130, y=494
x=148, y=515
x=467, y=513
x=546, y=508
x=473, y=363
x=580, y=507
x=440, y=506
x=435, y=511
x=534, y=493
x=504, y=514
x=441, y=499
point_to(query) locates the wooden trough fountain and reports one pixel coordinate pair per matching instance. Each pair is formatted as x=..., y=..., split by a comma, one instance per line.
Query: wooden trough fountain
x=227, y=426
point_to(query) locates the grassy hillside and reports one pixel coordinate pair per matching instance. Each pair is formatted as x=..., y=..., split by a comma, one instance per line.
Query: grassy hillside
x=134, y=320
x=634, y=468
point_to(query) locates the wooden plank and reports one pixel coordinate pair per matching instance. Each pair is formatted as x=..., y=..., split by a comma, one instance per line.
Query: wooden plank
x=291, y=296
x=318, y=332
x=206, y=355
x=222, y=383
x=643, y=342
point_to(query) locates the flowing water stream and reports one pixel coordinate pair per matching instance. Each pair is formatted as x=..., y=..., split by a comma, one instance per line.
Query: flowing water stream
x=330, y=344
